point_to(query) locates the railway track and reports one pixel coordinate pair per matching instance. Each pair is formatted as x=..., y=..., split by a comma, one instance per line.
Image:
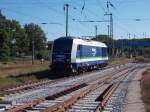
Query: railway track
x=30, y=97
x=84, y=100
x=75, y=88
x=32, y=84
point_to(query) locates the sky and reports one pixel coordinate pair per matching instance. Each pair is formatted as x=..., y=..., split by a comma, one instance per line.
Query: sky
x=125, y=13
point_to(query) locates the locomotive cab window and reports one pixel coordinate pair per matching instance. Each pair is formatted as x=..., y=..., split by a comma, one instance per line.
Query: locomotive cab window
x=62, y=46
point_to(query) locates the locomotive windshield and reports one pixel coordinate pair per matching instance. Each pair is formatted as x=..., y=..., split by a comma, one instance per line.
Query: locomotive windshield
x=62, y=46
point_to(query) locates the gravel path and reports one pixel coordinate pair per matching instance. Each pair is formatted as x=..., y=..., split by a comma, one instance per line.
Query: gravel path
x=134, y=102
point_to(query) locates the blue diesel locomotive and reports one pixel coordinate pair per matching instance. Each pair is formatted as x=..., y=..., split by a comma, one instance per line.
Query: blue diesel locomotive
x=76, y=55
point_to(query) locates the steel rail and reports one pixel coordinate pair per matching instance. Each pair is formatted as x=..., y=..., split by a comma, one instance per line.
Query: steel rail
x=66, y=104
x=35, y=102
x=109, y=93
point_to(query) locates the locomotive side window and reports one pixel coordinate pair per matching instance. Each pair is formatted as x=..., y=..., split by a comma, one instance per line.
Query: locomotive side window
x=78, y=51
x=79, y=47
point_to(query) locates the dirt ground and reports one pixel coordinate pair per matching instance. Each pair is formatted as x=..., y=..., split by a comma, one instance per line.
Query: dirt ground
x=134, y=101
x=145, y=85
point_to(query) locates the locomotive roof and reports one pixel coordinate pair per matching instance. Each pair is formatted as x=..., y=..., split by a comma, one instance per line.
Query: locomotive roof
x=85, y=41
x=89, y=42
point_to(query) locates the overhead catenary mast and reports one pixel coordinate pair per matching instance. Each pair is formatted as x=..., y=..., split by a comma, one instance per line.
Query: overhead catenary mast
x=110, y=26
x=66, y=10
x=96, y=32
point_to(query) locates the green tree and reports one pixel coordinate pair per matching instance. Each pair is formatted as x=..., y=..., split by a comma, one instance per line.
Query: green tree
x=36, y=34
x=2, y=21
x=19, y=39
x=22, y=42
x=4, y=45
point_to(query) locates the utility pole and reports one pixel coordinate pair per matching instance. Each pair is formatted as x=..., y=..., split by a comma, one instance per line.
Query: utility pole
x=96, y=32
x=134, y=49
x=111, y=25
x=110, y=31
x=33, y=50
x=111, y=34
x=129, y=45
x=66, y=8
x=108, y=37
x=122, y=46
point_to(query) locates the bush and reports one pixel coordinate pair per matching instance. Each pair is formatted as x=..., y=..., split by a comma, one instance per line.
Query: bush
x=139, y=59
x=45, y=54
